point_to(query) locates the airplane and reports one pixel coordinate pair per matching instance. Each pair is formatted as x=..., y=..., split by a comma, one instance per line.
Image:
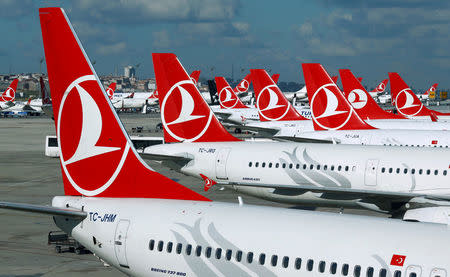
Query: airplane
x=408, y=104
x=289, y=172
x=145, y=224
x=302, y=94
x=46, y=104
x=110, y=90
x=9, y=95
x=376, y=92
x=425, y=96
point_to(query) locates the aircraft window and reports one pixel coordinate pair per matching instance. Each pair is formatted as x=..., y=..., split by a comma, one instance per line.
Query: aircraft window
x=339, y=168
x=277, y=165
x=250, y=164
x=436, y=172
x=332, y=168
x=346, y=168
x=250, y=257
x=285, y=261
x=318, y=167
x=256, y=164
x=310, y=265
x=398, y=170
x=390, y=170
x=208, y=252
x=298, y=263
x=198, y=251
x=369, y=272
x=262, y=259
x=413, y=171
x=270, y=165
x=179, y=247
x=322, y=267
x=228, y=254
x=297, y=166
x=274, y=260
x=151, y=244
x=413, y=274
x=405, y=170
x=345, y=269
x=397, y=273
x=354, y=168
x=169, y=247
x=428, y=172
x=420, y=171
x=333, y=268
x=218, y=253
x=291, y=165
x=304, y=166
x=383, y=170
x=444, y=172
x=160, y=245
x=263, y=165
x=383, y=271
x=357, y=271
x=325, y=167
x=188, y=249
x=238, y=255
x=311, y=166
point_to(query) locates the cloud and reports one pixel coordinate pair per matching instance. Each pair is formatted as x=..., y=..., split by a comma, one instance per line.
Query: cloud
x=13, y=8
x=111, y=49
x=161, y=39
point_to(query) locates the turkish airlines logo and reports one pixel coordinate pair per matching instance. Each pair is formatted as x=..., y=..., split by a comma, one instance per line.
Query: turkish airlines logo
x=191, y=121
x=325, y=107
x=89, y=165
x=381, y=87
x=227, y=98
x=110, y=93
x=398, y=260
x=267, y=104
x=9, y=94
x=432, y=89
x=243, y=86
x=407, y=104
x=358, y=98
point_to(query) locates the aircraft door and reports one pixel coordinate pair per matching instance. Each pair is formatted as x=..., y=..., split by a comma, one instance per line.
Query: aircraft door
x=221, y=163
x=438, y=272
x=370, y=177
x=120, y=239
x=414, y=270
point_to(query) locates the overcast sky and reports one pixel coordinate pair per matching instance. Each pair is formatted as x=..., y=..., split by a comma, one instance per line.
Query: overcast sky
x=369, y=37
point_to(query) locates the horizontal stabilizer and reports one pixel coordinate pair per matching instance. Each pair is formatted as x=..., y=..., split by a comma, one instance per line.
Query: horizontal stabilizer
x=301, y=139
x=161, y=157
x=43, y=209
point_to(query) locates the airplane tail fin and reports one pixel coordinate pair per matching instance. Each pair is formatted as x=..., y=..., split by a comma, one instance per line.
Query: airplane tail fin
x=275, y=77
x=405, y=100
x=111, y=89
x=97, y=156
x=334, y=79
x=431, y=89
x=381, y=86
x=184, y=113
x=44, y=94
x=244, y=85
x=195, y=75
x=10, y=93
x=227, y=98
x=329, y=108
x=359, y=79
x=271, y=103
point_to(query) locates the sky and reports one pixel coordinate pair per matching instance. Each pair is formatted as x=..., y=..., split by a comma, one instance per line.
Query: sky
x=371, y=38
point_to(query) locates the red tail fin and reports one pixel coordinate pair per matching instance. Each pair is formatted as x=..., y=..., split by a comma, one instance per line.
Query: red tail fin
x=97, y=156
x=381, y=86
x=275, y=77
x=271, y=103
x=243, y=86
x=334, y=79
x=195, y=75
x=329, y=108
x=10, y=93
x=406, y=102
x=111, y=89
x=431, y=89
x=44, y=95
x=227, y=98
x=185, y=115
x=359, y=79
x=361, y=101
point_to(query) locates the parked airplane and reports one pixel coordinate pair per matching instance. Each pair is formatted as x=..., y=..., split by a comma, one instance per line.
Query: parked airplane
x=407, y=103
x=285, y=171
x=378, y=90
x=145, y=224
x=425, y=96
x=9, y=95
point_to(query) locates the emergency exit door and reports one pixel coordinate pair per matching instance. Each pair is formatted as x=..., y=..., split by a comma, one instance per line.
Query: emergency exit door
x=221, y=163
x=370, y=177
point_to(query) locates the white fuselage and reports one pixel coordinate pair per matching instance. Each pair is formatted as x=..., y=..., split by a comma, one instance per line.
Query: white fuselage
x=155, y=237
x=396, y=169
x=129, y=103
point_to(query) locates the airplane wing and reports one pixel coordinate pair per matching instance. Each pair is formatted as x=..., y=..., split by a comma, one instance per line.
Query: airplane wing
x=43, y=209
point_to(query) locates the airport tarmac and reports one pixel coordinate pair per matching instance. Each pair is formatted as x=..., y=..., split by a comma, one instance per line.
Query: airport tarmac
x=27, y=175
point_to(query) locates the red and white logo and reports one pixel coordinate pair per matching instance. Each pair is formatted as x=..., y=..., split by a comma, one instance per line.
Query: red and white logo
x=398, y=260
x=83, y=136
x=268, y=101
x=381, y=87
x=194, y=81
x=325, y=106
x=243, y=86
x=9, y=94
x=407, y=103
x=227, y=98
x=110, y=93
x=189, y=113
x=358, y=98
x=432, y=88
